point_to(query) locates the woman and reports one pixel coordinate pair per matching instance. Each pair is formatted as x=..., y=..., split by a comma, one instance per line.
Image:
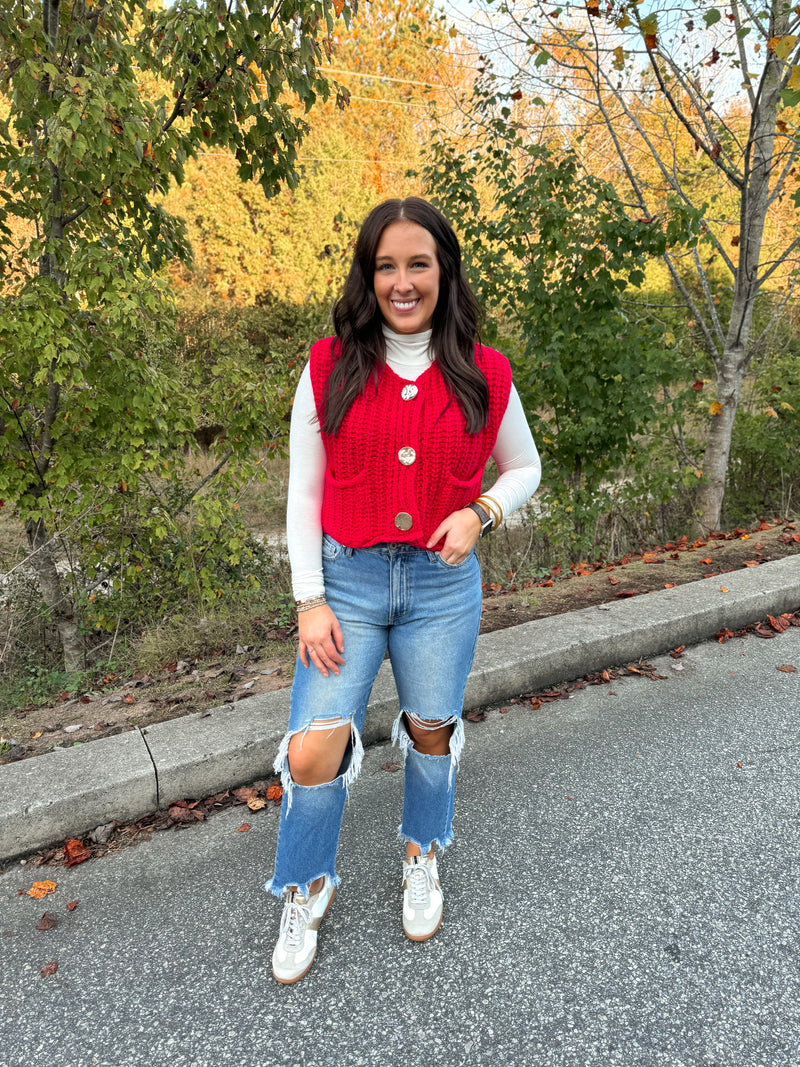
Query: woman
x=394, y=420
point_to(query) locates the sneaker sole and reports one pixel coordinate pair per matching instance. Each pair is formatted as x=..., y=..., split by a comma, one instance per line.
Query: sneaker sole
x=425, y=937
x=291, y=981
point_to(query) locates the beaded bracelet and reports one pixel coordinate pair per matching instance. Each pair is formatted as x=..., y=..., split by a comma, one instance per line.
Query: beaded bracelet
x=310, y=602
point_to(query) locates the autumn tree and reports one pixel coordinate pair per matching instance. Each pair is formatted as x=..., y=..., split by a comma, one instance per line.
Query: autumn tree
x=683, y=93
x=105, y=104
x=397, y=71
x=552, y=254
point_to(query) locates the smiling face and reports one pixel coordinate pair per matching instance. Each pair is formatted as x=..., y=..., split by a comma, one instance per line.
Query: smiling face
x=406, y=278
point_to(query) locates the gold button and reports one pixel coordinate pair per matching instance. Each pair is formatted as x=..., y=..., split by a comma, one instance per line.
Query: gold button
x=403, y=520
x=407, y=456
x=409, y=392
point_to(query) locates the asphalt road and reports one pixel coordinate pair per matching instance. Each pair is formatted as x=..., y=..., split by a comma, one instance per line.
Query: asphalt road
x=623, y=890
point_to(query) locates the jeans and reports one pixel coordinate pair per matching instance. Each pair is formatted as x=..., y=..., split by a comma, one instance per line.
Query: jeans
x=426, y=613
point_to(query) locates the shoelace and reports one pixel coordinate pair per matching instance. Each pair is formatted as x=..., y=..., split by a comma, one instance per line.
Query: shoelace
x=420, y=883
x=294, y=921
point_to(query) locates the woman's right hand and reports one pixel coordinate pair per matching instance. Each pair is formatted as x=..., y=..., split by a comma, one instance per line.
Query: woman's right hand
x=321, y=640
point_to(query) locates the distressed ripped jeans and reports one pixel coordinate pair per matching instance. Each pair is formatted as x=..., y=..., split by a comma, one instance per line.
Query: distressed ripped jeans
x=426, y=613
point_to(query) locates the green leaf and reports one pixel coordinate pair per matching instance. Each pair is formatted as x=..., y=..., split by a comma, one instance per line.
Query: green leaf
x=712, y=16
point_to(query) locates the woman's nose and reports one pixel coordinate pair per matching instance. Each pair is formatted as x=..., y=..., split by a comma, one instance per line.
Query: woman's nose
x=403, y=282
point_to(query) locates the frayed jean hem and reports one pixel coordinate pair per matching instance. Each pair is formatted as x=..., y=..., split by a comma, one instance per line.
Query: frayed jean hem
x=331, y=880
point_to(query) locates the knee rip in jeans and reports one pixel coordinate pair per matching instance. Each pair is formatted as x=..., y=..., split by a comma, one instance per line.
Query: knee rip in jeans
x=348, y=771
x=401, y=736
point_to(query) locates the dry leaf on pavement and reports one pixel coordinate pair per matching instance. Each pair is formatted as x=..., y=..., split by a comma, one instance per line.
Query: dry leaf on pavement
x=41, y=889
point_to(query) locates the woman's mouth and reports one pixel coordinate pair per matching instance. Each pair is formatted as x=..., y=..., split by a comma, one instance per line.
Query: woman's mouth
x=405, y=305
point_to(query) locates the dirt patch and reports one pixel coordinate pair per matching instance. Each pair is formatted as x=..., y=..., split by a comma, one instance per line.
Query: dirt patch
x=182, y=688
x=656, y=568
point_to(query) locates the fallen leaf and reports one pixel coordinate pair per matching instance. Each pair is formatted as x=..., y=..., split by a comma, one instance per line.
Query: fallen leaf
x=75, y=852
x=243, y=827
x=47, y=922
x=49, y=969
x=613, y=580
x=41, y=889
x=72, y=905
x=787, y=668
x=274, y=793
x=183, y=812
x=246, y=793
x=256, y=803
x=722, y=589
x=391, y=766
x=476, y=716
x=781, y=624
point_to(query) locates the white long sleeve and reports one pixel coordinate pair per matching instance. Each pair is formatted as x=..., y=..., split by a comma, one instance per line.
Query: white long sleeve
x=514, y=453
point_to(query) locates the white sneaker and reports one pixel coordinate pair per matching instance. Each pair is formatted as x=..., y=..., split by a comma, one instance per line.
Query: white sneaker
x=422, y=898
x=297, y=942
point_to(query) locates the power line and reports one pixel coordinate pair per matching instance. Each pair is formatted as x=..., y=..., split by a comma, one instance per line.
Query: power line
x=393, y=103
x=387, y=78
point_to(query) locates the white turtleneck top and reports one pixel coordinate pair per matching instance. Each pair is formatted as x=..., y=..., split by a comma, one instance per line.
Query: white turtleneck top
x=409, y=356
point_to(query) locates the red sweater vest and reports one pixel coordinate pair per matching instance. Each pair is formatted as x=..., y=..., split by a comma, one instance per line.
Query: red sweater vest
x=402, y=459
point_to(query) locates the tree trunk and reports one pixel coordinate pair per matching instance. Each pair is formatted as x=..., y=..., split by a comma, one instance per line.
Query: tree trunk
x=59, y=604
x=718, y=445
x=732, y=365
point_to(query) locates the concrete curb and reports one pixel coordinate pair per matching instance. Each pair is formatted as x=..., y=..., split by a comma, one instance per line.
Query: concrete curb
x=69, y=791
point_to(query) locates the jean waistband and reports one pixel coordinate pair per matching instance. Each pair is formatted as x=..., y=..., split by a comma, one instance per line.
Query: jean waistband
x=384, y=548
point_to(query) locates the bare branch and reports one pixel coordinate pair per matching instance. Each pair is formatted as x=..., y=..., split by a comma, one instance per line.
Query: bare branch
x=679, y=114
x=784, y=174
x=776, y=315
x=712, y=308
x=778, y=262
x=737, y=22
x=690, y=303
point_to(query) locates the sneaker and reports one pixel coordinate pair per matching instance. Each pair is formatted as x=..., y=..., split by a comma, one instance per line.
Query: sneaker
x=422, y=898
x=297, y=942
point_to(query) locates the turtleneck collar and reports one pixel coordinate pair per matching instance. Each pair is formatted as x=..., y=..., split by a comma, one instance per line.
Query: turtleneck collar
x=408, y=349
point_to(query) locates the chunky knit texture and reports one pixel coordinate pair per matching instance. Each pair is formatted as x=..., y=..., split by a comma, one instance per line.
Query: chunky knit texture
x=366, y=485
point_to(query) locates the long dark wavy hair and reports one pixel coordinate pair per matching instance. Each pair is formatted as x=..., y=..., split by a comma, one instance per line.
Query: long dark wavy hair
x=358, y=321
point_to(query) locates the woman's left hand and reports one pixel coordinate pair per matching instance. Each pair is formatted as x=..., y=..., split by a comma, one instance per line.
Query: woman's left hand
x=460, y=530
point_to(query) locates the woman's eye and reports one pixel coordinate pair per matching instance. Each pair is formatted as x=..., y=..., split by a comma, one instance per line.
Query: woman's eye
x=384, y=267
